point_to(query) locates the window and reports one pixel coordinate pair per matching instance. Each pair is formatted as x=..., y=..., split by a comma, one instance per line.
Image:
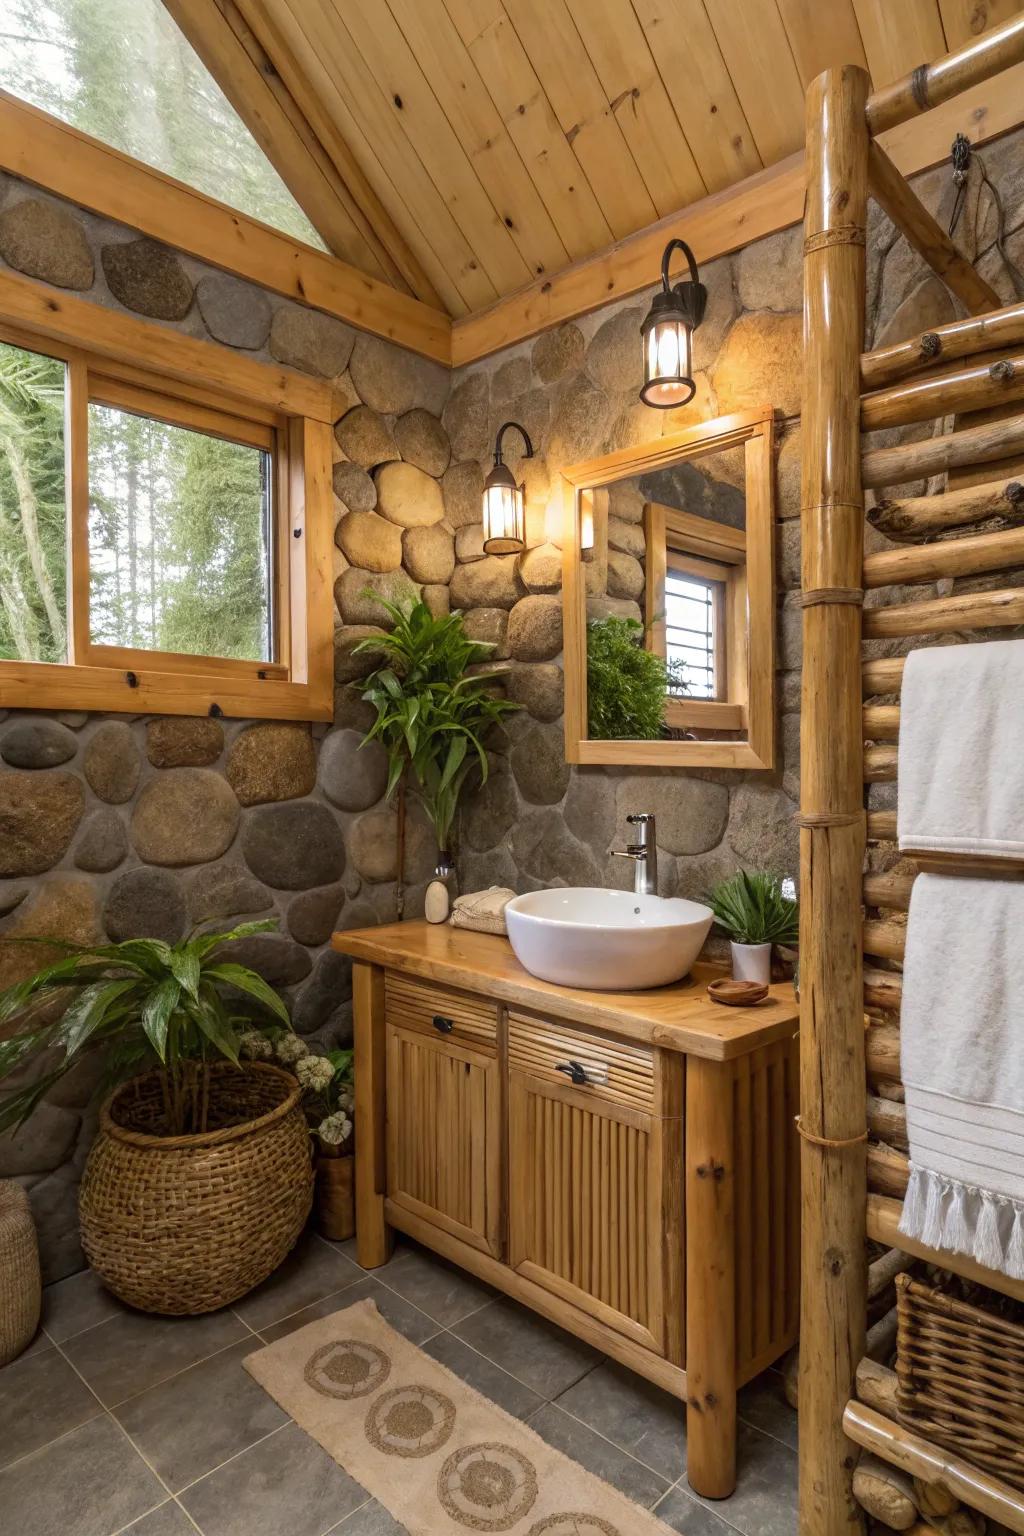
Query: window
x=122, y=71
x=154, y=547
x=695, y=593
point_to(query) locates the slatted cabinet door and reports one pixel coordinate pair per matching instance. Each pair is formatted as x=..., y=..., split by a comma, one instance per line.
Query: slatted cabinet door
x=587, y=1185
x=443, y=1134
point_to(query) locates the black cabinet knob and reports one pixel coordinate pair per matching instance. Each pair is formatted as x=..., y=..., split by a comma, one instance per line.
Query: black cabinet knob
x=574, y=1070
x=442, y=1025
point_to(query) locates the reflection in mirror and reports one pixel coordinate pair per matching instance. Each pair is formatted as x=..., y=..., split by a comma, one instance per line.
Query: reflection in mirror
x=665, y=577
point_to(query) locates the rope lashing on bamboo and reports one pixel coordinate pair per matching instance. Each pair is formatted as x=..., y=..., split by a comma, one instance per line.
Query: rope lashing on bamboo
x=830, y=1143
x=842, y=234
x=830, y=819
x=816, y=596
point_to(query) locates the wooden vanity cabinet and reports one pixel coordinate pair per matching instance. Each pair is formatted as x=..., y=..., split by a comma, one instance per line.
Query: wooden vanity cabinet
x=624, y=1164
x=444, y=1111
x=595, y=1213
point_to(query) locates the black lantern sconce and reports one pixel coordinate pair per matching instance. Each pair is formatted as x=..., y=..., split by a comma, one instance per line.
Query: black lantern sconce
x=504, y=501
x=667, y=335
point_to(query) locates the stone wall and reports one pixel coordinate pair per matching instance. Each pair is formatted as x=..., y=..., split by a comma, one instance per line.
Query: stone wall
x=575, y=390
x=117, y=824
x=122, y=825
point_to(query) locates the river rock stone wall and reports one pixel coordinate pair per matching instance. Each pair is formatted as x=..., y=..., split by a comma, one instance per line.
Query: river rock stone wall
x=118, y=825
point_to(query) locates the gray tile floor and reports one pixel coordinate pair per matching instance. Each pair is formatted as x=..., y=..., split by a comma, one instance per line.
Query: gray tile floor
x=115, y=1423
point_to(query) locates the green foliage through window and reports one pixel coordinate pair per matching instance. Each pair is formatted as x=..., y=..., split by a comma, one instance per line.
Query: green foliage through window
x=122, y=71
x=179, y=539
x=33, y=527
x=626, y=684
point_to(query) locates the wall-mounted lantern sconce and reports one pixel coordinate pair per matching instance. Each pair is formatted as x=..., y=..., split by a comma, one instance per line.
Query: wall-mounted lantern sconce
x=667, y=335
x=504, y=501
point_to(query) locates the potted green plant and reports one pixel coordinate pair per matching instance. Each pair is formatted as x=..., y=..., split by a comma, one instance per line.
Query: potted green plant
x=328, y=1102
x=756, y=912
x=199, y=1180
x=433, y=711
x=627, y=685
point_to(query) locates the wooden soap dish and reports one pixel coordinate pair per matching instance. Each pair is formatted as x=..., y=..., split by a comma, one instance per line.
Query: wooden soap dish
x=737, y=994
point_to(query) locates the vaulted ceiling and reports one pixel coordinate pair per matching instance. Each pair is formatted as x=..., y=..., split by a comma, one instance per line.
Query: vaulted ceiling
x=459, y=149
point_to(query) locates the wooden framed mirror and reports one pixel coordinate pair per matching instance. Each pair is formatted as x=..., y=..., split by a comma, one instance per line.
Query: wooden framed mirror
x=669, y=552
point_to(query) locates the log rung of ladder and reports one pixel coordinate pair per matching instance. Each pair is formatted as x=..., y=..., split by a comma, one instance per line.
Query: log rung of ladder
x=997, y=330
x=946, y=615
x=934, y=455
x=968, y=387
x=906, y=518
x=972, y=555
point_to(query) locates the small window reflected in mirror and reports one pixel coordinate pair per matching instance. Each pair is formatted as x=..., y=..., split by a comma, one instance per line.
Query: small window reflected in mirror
x=670, y=598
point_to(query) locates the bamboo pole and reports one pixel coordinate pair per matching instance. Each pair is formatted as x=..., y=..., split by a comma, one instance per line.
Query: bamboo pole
x=960, y=338
x=887, y=1120
x=967, y=387
x=881, y=722
x=972, y=555
x=901, y=1448
x=891, y=889
x=928, y=239
x=947, y=615
x=935, y=455
x=881, y=826
x=833, y=1303
x=929, y=85
x=883, y=676
x=880, y=765
x=922, y=517
x=882, y=1052
x=885, y=938
x=876, y=1384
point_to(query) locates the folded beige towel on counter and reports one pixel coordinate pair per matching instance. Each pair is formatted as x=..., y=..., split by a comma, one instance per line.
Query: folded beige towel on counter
x=961, y=752
x=483, y=911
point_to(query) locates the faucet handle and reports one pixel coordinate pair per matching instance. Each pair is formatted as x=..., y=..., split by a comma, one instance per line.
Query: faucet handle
x=631, y=851
x=641, y=818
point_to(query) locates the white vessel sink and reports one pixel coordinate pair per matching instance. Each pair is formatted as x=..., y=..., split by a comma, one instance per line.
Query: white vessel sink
x=606, y=940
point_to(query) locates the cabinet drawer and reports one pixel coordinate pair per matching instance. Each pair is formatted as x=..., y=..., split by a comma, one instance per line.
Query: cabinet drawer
x=616, y=1072
x=424, y=1005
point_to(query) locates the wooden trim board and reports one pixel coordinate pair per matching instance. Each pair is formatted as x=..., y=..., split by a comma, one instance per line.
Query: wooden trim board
x=760, y=205
x=60, y=159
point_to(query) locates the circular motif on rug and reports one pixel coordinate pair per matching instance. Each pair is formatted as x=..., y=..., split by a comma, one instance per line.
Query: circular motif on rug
x=573, y=1525
x=410, y=1421
x=347, y=1368
x=487, y=1487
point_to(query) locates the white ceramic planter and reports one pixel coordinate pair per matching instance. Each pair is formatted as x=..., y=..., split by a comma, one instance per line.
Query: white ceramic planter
x=751, y=962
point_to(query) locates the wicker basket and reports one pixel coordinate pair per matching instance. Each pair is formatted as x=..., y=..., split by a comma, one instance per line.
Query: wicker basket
x=960, y=1378
x=20, y=1287
x=186, y=1224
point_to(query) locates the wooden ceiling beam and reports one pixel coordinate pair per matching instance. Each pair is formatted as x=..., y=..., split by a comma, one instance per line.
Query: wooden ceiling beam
x=60, y=159
x=321, y=176
x=762, y=204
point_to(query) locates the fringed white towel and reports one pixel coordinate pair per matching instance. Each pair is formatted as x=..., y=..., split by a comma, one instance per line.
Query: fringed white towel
x=961, y=752
x=483, y=911
x=962, y=1030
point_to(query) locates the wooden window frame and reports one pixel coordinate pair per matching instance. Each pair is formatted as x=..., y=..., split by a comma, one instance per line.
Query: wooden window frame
x=135, y=366
x=751, y=660
x=721, y=558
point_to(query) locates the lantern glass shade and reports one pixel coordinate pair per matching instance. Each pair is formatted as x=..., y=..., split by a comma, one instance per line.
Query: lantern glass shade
x=504, y=518
x=587, y=525
x=668, y=361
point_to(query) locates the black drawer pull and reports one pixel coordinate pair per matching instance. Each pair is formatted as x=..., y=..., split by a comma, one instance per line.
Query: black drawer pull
x=441, y=1024
x=574, y=1070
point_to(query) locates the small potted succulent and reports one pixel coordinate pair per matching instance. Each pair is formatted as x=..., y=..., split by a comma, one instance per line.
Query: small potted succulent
x=756, y=911
x=328, y=1104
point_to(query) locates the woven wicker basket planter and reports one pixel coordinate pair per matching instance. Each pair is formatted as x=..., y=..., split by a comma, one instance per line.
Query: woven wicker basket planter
x=20, y=1286
x=960, y=1378
x=186, y=1224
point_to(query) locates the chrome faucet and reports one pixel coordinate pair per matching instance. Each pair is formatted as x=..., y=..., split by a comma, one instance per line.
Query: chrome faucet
x=643, y=850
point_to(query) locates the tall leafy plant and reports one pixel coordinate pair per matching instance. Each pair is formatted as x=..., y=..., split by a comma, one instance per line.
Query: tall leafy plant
x=432, y=712
x=627, y=685
x=139, y=1003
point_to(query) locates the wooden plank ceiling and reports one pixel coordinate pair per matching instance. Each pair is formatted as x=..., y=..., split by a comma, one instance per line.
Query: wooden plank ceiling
x=459, y=149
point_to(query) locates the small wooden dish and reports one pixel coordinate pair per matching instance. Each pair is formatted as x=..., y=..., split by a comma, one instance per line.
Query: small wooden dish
x=737, y=994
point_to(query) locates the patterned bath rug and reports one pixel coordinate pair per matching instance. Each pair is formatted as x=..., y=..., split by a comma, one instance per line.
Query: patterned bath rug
x=441, y=1459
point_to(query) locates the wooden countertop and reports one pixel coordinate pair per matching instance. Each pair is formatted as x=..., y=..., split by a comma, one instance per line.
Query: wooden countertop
x=680, y=1018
